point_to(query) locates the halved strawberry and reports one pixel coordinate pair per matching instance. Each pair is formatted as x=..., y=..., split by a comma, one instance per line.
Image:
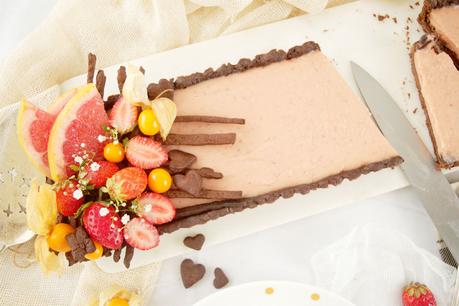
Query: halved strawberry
x=99, y=171
x=69, y=198
x=103, y=224
x=127, y=184
x=123, y=116
x=140, y=234
x=145, y=153
x=155, y=208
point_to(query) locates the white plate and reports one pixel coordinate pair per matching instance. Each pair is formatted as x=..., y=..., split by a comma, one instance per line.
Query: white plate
x=273, y=293
x=348, y=32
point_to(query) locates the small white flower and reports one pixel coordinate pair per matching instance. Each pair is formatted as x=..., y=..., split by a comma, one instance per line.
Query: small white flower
x=77, y=194
x=94, y=167
x=78, y=160
x=83, y=145
x=147, y=207
x=101, y=138
x=125, y=219
x=116, y=141
x=103, y=211
x=123, y=204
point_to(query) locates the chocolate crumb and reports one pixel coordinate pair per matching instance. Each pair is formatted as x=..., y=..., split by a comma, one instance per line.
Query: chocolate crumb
x=194, y=242
x=394, y=19
x=220, y=280
x=415, y=110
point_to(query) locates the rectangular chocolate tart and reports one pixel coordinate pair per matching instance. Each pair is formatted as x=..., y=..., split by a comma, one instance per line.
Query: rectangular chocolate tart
x=269, y=127
x=437, y=81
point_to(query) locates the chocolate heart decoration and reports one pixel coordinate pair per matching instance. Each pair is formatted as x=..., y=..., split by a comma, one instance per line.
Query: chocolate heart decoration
x=180, y=160
x=191, y=182
x=220, y=280
x=191, y=272
x=194, y=242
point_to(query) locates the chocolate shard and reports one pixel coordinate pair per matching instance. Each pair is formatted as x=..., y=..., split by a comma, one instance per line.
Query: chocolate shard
x=91, y=67
x=49, y=181
x=107, y=252
x=164, y=87
x=194, y=242
x=111, y=100
x=100, y=82
x=128, y=256
x=220, y=280
x=121, y=78
x=117, y=255
x=210, y=119
x=142, y=70
x=70, y=258
x=206, y=194
x=89, y=245
x=201, y=139
x=209, y=173
x=191, y=273
x=191, y=182
x=73, y=222
x=180, y=160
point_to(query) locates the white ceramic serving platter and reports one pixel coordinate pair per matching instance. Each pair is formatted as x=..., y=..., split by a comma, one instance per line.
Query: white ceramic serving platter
x=273, y=293
x=345, y=33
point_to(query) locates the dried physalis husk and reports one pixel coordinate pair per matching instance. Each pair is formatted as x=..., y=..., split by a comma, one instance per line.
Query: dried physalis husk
x=49, y=261
x=114, y=292
x=165, y=111
x=135, y=87
x=41, y=208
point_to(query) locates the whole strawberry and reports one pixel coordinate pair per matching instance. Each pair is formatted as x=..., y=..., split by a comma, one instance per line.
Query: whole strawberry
x=69, y=198
x=98, y=172
x=416, y=294
x=127, y=184
x=103, y=224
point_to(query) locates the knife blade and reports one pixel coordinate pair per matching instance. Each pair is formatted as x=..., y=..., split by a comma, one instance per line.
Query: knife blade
x=429, y=183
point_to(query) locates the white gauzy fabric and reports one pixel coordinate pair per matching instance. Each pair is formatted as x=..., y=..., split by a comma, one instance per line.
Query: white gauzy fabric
x=374, y=261
x=120, y=30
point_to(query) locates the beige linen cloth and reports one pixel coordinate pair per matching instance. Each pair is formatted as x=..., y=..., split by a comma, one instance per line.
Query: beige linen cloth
x=117, y=31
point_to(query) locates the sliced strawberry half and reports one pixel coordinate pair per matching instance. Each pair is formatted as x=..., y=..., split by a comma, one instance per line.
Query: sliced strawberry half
x=141, y=235
x=145, y=153
x=99, y=171
x=123, y=116
x=103, y=224
x=155, y=208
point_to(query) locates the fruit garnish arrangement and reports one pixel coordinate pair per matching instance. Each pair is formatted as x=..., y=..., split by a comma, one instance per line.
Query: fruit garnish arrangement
x=106, y=169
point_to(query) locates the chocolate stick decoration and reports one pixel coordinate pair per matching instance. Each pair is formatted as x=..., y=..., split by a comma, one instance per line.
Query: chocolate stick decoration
x=91, y=67
x=209, y=119
x=121, y=78
x=206, y=194
x=100, y=82
x=201, y=139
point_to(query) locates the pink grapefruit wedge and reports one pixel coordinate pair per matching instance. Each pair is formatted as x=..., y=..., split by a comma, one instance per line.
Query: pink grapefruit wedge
x=34, y=126
x=75, y=132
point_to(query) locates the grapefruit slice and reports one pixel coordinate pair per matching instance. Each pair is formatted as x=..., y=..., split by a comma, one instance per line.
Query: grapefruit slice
x=75, y=132
x=34, y=126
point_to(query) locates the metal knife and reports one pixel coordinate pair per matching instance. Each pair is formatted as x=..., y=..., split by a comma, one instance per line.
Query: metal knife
x=430, y=184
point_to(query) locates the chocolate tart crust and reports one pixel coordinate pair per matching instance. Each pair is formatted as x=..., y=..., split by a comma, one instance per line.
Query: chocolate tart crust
x=424, y=21
x=422, y=43
x=200, y=214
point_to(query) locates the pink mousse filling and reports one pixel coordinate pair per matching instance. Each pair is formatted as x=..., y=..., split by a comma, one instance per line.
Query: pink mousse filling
x=303, y=123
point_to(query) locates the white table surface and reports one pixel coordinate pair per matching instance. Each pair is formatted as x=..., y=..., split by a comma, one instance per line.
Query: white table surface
x=281, y=253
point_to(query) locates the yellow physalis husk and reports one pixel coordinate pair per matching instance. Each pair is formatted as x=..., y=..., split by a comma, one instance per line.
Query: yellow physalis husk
x=49, y=262
x=135, y=87
x=165, y=111
x=116, y=291
x=41, y=208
